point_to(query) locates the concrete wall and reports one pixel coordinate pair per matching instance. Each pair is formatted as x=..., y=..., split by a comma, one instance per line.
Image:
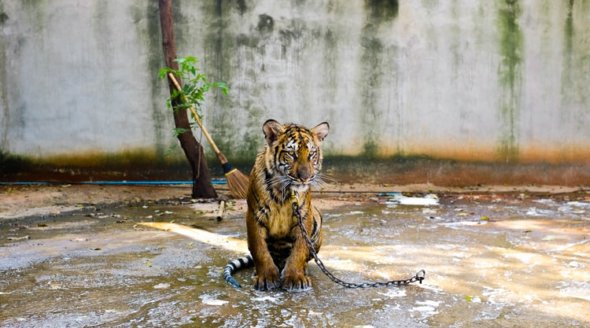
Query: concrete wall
x=500, y=81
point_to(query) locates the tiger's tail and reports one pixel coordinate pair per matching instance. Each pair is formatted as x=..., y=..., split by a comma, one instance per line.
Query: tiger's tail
x=243, y=262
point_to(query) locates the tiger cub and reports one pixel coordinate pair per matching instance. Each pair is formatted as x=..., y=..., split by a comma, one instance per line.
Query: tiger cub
x=290, y=162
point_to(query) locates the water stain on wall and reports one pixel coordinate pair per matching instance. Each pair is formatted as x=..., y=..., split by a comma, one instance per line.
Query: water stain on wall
x=265, y=25
x=567, y=84
x=234, y=56
x=576, y=62
x=373, y=66
x=36, y=9
x=456, y=38
x=330, y=59
x=5, y=118
x=430, y=4
x=103, y=34
x=269, y=52
x=242, y=6
x=220, y=44
x=510, y=77
x=3, y=16
x=151, y=35
x=35, y=13
x=287, y=37
x=382, y=11
x=180, y=22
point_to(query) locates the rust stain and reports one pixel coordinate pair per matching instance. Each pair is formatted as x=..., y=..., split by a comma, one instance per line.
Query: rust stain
x=441, y=166
x=573, y=154
x=97, y=158
x=459, y=174
x=132, y=164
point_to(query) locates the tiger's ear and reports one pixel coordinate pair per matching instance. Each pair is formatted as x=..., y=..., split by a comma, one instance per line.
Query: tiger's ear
x=321, y=130
x=271, y=129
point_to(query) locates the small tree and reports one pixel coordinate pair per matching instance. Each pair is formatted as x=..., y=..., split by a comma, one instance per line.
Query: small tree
x=196, y=85
x=193, y=150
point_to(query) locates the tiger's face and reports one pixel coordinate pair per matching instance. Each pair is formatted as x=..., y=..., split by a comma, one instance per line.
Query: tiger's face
x=293, y=153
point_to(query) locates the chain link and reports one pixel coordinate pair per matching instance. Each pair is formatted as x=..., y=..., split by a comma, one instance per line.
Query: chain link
x=419, y=276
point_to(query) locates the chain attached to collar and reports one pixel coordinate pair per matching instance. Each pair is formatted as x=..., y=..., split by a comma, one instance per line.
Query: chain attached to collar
x=419, y=276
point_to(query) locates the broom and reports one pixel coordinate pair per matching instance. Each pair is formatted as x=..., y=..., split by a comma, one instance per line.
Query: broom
x=236, y=180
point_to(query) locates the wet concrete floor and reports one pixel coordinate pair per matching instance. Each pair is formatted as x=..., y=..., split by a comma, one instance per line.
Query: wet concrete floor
x=491, y=260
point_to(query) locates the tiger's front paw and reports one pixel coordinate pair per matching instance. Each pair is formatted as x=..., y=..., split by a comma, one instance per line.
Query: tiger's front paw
x=296, y=281
x=267, y=279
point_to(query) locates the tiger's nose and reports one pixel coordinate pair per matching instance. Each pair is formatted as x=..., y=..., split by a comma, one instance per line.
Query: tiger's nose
x=303, y=173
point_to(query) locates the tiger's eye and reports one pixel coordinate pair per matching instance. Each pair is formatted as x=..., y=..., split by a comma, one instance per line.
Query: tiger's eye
x=288, y=156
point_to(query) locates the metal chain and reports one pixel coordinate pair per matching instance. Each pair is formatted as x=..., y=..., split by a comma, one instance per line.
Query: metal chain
x=419, y=276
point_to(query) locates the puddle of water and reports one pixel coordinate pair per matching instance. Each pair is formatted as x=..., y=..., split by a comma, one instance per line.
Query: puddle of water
x=489, y=262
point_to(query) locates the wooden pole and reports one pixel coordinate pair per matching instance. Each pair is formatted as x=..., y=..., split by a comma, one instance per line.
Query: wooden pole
x=193, y=150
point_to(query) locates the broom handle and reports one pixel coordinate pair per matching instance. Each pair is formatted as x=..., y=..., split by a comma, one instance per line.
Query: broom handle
x=220, y=156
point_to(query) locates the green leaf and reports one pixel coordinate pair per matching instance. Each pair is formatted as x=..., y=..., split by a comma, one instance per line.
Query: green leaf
x=195, y=86
x=179, y=131
x=163, y=72
x=223, y=87
x=191, y=60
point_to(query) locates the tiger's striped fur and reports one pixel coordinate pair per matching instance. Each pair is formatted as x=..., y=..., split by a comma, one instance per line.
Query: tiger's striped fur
x=291, y=161
x=243, y=262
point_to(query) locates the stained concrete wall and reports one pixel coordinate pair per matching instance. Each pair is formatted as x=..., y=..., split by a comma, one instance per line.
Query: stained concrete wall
x=504, y=81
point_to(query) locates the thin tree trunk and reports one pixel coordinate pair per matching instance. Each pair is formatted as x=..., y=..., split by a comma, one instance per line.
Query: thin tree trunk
x=202, y=187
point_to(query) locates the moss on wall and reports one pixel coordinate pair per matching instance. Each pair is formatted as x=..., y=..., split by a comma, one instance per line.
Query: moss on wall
x=220, y=46
x=330, y=58
x=36, y=9
x=375, y=62
x=576, y=62
x=382, y=10
x=406, y=77
x=151, y=36
x=4, y=105
x=510, y=77
x=3, y=16
x=456, y=39
x=370, y=149
x=10, y=164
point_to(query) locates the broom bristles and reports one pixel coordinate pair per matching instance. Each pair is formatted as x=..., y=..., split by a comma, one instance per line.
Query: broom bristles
x=238, y=183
